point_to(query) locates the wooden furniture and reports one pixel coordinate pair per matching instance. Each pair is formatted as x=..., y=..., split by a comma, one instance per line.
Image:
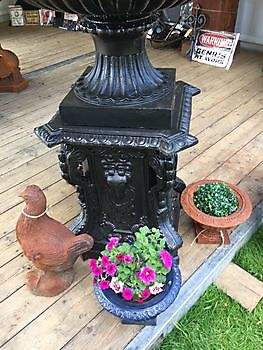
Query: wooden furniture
x=221, y=14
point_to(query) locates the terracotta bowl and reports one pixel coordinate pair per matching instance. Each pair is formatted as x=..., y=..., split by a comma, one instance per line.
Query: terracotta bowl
x=106, y=7
x=240, y=215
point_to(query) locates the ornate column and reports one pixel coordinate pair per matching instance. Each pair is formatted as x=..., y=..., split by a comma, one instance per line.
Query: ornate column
x=121, y=127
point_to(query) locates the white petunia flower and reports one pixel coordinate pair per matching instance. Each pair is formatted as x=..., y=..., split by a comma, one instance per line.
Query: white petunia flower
x=156, y=288
x=116, y=285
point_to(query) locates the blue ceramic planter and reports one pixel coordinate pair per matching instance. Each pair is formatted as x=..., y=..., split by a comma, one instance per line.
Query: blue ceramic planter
x=141, y=313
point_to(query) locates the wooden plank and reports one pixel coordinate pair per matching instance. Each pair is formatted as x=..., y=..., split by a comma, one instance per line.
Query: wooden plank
x=232, y=101
x=25, y=171
x=68, y=314
x=41, y=87
x=221, y=86
x=216, y=131
x=244, y=160
x=42, y=81
x=23, y=156
x=201, y=166
x=12, y=276
x=252, y=183
x=36, y=55
x=221, y=83
x=10, y=198
x=47, y=102
x=22, y=308
x=8, y=150
x=240, y=286
x=111, y=328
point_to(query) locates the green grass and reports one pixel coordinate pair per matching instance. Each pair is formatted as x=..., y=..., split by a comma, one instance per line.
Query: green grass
x=216, y=322
x=250, y=257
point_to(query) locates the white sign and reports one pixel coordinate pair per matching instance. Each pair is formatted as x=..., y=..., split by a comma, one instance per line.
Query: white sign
x=16, y=15
x=215, y=48
x=71, y=17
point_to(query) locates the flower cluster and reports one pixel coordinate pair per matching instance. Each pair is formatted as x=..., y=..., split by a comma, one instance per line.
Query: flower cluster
x=135, y=271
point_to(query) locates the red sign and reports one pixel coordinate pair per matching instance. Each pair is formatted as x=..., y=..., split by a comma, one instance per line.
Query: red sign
x=215, y=48
x=216, y=40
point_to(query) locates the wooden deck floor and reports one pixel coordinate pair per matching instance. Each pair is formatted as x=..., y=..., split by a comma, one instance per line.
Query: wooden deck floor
x=227, y=119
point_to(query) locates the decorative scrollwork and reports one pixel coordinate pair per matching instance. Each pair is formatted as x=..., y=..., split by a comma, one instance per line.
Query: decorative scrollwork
x=125, y=85
x=165, y=198
x=167, y=144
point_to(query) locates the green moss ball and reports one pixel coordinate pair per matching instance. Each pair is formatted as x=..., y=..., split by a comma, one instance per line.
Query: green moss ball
x=215, y=199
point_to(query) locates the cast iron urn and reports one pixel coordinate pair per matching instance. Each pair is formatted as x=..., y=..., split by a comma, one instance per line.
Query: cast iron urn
x=121, y=127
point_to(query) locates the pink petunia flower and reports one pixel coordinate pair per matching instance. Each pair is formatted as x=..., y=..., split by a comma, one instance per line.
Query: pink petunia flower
x=104, y=284
x=128, y=259
x=111, y=268
x=105, y=260
x=166, y=259
x=146, y=293
x=147, y=275
x=95, y=280
x=140, y=300
x=112, y=243
x=116, y=285
x=127, y=294
x=114, y=240
x=97, y=270
x=92, y=263
x=120, y=257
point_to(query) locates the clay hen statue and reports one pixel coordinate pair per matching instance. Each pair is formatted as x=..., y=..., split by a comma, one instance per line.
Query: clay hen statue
x=11, y=79
x=51, y=246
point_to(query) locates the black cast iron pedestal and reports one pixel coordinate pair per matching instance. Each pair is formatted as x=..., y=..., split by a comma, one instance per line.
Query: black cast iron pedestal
x=125, y=177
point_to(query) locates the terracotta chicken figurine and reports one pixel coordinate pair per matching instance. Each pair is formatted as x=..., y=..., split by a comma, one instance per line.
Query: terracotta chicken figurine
x=51, y=246
x=11, y=79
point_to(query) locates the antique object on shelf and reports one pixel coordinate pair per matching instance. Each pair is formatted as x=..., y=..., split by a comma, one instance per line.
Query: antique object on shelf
x=121, y=127
x=11, y=79
x=213, y=229
x=52, y=248
x=221, y=14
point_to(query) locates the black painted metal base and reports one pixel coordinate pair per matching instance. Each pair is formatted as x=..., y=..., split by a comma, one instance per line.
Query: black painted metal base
x=158, y=114
x=154, y=114
x=125, y=178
